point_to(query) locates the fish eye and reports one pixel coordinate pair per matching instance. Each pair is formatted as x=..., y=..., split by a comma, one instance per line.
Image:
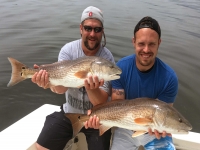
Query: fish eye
x=180, y=120
x=112, y=66
x=23, y=68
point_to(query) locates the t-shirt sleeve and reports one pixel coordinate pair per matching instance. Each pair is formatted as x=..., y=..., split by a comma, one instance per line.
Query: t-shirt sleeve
x=117, y=84
x=108, y=56
x=64, y=53
x=171, y=91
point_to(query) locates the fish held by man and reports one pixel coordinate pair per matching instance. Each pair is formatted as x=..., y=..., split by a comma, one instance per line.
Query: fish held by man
x=68, y=73
x=137, y=114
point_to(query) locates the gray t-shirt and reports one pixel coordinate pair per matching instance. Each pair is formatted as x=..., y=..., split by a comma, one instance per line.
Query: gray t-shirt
x=77, y=100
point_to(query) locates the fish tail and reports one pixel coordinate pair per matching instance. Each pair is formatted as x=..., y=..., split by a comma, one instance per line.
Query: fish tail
x=16, y=75
x=77, y=121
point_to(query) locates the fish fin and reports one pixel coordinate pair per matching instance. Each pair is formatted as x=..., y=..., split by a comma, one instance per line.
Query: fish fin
x=16, y=76
x=81, y=74
x=143, y=121
x=77, y=121
x=103, y=129
x=138, y=133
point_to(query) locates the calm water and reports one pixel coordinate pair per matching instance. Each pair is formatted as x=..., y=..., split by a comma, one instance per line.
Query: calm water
x=33, y=31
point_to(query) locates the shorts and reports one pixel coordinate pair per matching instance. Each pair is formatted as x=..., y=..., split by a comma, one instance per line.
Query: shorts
x=57, y=131
x=123, y=140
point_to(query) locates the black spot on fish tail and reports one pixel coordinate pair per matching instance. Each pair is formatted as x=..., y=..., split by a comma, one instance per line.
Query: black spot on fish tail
x=16, y=75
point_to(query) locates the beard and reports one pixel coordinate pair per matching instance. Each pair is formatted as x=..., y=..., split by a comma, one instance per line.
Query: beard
x=86, y=43
x=146, y=62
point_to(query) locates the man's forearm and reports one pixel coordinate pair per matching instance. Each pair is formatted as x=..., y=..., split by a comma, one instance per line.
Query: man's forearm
x=97, y=96
x=58, y=89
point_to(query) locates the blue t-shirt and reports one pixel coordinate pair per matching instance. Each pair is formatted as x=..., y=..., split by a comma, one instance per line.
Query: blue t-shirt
x=160, y=82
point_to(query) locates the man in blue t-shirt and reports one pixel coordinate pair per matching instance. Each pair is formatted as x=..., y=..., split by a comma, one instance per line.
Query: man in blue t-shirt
x=143, y=75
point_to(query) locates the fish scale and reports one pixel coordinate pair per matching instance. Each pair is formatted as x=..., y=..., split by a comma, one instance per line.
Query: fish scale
x=137, y=114
x=68, y=73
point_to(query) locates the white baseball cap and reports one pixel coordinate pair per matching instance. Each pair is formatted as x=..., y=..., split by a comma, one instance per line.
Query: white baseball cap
x=92, y=12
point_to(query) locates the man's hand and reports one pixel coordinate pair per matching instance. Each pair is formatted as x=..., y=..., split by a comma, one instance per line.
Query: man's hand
x=41, y=78
x=93, y=83
x=157, y=134
x=93, y=122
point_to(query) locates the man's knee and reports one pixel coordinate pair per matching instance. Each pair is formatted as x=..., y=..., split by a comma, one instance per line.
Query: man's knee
x=39, y=147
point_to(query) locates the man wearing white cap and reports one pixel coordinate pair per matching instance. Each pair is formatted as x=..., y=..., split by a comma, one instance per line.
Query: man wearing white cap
x=57, y=130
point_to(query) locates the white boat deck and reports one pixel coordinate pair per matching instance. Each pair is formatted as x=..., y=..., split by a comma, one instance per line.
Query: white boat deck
x=23, y=134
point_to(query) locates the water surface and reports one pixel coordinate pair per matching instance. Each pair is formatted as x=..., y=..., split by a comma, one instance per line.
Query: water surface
x=34, y=31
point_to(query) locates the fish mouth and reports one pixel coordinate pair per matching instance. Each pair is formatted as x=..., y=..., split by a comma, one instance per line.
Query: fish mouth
x=182, y=132
x=115, y=76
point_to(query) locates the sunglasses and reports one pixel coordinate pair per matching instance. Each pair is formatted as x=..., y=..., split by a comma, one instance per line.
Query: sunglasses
x=96, y=29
